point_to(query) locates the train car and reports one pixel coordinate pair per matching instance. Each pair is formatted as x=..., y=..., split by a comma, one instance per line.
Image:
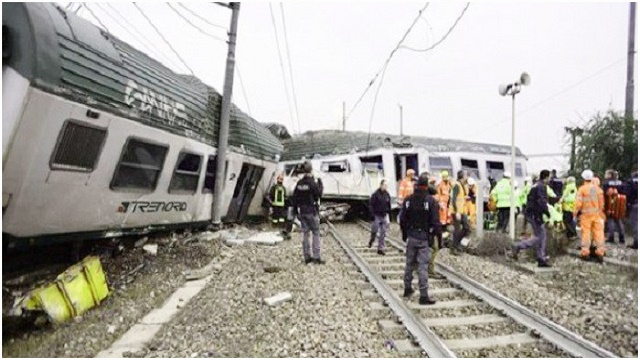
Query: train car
x=100, y=140
x=351, y=173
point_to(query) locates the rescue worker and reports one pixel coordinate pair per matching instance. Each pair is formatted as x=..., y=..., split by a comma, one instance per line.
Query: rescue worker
x=590, y=207
x=632, y=204
x=556, y=185
x=568, y=205
x=525, y=195
x=443, y=196
x=277, y=200
x=406, y=186
x=615, y=202
x=306, y=197
x=471, y=201
x=537, y=207
x=460, y=219
x=502, y=196
x=421, y=223
x=379, y=207
x=438, y=242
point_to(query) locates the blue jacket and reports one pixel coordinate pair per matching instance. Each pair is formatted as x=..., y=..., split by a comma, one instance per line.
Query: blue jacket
x=632, y=191
x=380, y=203
x=537, y=204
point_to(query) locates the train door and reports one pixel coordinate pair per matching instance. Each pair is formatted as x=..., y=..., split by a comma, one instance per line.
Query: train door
x=244, y=191
x=404, y=162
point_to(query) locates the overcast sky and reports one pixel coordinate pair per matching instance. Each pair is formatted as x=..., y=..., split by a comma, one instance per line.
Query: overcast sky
x=575, y=54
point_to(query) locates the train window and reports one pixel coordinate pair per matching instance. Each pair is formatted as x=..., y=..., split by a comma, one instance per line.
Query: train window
x=293, y=169
x=519, y=172
x=471, y=166
x=373, y=164
x=439, y=163
x=210, y=175
x=335, y=166
x=140, y=166
x=185, y=177
x=78, y=147
x=495, y=169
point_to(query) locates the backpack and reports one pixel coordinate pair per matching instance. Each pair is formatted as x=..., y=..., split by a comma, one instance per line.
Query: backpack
x=416, y=212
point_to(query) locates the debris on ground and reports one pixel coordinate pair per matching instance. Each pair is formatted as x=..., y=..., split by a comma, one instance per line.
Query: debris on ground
x=141, y=242
x=198, y=274
x=278, y=298
x=151, y=249
x=75, y=291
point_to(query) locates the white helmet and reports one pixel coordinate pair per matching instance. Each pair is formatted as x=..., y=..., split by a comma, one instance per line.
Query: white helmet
x=471, y=182
x=506, y=174
x=515, y=183
x=587, y=175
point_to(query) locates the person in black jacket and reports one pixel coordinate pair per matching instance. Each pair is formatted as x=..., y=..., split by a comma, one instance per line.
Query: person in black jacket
x=379, y=207
x=306, y=197
x=537, y=206
x=421, y=222
x=632, y=204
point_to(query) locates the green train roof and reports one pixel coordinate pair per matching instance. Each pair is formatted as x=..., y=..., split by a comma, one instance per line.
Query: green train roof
x=335, y=142
x=63, y=54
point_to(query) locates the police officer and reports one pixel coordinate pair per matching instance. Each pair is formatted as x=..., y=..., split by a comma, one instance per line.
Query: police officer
x=277, y=200
x=306, y=197
x=379, y=207
x=420, y=221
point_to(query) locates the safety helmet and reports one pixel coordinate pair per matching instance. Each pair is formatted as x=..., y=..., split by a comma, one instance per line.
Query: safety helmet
x=516, y=183
x=571, y=179
x=506, y=174
x=411, y=172
x=444, y=174
x=280, y=178
x=587, y=175
x=471, y=182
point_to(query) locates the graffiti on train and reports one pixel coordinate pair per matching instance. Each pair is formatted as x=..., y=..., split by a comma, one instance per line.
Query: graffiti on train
x=152, y=206
x=145, y=100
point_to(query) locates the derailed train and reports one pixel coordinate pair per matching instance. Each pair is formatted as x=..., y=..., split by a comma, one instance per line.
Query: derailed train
x=100, y=140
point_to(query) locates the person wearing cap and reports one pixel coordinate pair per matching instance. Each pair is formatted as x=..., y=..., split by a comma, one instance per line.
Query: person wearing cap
x=615, y=201
x=590, y=207
x=421, y=224
x=406, y=186
x=568, y=201
x=458, y=211
x=502, y=196
x=379, y=207
x=277, y=200
x=537, y=207
x=305, y=200
x=443, y=196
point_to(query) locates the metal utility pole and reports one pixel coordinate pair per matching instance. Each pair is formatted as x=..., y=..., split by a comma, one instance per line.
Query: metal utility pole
x=628, y=108
x=344, y=116
x=221, y=158
x=400, y=119
x=575, y=132
x=512, y=198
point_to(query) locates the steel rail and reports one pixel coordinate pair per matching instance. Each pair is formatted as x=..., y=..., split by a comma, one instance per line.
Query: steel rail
x=570, y=342
x=424, y=336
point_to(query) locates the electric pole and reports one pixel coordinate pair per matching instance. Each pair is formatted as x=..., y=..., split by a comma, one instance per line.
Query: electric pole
x=575, y=132
x=221, y=157
x=628, y=108
x=400, y=106
x=344, y=116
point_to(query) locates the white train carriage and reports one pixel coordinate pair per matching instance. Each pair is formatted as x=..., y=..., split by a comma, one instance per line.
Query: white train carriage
x=350, y=173
x=100, y=140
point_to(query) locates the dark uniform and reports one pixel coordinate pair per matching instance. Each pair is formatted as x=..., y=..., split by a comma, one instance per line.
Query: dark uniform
x=420, y=223
x=306, y=197
x=632, y=203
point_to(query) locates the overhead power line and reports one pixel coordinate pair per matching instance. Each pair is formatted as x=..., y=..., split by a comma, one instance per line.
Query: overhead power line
x=95, y=17
x=284, y=77
x=293, y=88
x=387, y=61
x=201, y=18
x=244, y=92
x=445, y=35
x=194, y=25
x=163, y=38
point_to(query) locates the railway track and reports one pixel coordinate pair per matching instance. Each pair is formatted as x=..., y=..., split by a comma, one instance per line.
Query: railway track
x=468, y=320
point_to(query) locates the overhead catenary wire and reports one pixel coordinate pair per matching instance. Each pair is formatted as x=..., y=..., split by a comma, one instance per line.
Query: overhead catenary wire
x=244, y=92
x=139, y=38
x=95, y=17
x=384, y=66
x=293, y=88
x=163, y=38
x=202, y=18
x=284, y=77
x=194, y=25
x=442, y=38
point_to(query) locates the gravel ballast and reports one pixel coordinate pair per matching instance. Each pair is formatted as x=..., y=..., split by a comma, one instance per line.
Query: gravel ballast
x=102, y=325
x=326, y=317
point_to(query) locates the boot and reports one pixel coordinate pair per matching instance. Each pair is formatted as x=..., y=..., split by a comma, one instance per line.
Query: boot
x=408, y=292
x=543, y=264
x=373, y=238
x=307, y=261
x=425, y=300
x=381, y=252
x=319, y=261
x=599, y=259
